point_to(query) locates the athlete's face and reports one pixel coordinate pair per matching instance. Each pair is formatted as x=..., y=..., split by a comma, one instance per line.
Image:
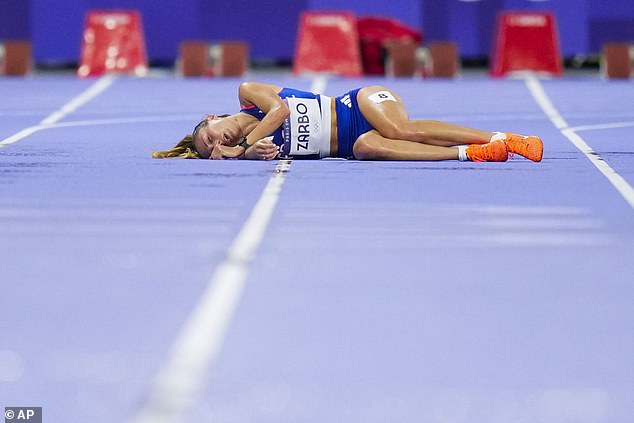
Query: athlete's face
x=218, y=131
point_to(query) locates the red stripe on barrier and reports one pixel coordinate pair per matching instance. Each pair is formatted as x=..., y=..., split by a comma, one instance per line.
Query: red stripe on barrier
x=328, y=43
x=526, y=41
x=113, y=42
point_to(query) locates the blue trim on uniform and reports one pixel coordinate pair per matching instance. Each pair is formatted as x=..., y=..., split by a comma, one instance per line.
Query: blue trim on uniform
x=351, y=123
x=283, y=93
x=253, y=111
x=278, y=134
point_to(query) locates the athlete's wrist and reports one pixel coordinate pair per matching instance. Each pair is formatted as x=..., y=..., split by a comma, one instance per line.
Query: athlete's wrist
x=244, y=143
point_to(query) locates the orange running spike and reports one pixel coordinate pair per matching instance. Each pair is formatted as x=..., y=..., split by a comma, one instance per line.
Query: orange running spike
x=494, y=151
x=530, y=147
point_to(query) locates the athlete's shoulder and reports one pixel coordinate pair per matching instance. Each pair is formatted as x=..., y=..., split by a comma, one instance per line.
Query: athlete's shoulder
x=257, y=93
x=293, y=92
x=252, y=86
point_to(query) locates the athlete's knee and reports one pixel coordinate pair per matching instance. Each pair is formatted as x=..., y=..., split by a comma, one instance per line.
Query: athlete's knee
x=367, y=149
x=428, y=128
x=394, y=131
x=419, y=130
x=408, y=130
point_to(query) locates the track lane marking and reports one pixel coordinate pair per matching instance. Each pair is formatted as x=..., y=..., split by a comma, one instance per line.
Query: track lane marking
x=598, y=126
x=200, y=341
x=539, y=94
x=93, y=91
x=180, y=380
x=318, y=85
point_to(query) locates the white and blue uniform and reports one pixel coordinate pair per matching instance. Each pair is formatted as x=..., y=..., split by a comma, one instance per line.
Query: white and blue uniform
x=306, y=131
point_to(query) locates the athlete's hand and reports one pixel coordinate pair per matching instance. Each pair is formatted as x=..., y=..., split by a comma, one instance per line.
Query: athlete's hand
x=263, y=149
x=221, y=152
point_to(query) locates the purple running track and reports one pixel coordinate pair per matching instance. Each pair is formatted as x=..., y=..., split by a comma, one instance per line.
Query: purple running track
x=381, y=291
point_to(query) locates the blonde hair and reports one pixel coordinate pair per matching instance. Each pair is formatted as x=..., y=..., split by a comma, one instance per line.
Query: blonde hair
x=183, y=150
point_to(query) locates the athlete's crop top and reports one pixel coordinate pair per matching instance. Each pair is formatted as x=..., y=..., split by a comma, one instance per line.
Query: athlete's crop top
x=306, y=131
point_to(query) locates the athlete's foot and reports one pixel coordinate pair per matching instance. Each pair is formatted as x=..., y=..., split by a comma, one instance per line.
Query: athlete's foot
x=530, y=147
x=494, y=151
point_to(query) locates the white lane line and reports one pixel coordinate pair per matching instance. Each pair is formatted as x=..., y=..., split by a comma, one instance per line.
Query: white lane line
x=180, y=380
x=318, y=86
x=20, y=135
x=614, y=125
x=93, y=91
x=77, y=123
x=119, y=121
x=621, y=185
x=544, y=102
x=542, y=99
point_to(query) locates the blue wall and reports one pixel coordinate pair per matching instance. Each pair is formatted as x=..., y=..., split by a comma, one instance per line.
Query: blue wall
x=472, y=23
x=55, y=26
x=15, y=19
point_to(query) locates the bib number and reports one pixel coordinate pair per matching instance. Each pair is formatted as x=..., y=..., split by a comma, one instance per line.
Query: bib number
x=303, y=128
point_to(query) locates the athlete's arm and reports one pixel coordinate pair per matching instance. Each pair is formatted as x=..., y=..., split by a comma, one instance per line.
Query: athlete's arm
x=264, y=97
x=258, y=147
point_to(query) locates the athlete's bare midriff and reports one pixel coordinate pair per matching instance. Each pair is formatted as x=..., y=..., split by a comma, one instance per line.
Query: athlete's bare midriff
x=334, y=145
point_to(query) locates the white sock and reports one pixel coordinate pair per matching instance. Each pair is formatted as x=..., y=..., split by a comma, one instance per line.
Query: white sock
x=498, y=136
x=462, y=153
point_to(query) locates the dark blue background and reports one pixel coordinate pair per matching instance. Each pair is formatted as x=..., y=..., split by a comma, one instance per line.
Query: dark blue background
x=270, y=27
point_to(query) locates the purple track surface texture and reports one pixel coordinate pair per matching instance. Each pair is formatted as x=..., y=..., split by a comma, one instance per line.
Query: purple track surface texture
x=381, y=292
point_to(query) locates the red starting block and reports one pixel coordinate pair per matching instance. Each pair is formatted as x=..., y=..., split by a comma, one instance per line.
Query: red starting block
x=198, y=58
x=328, y=43
x=617, y=60
x=15, y=58
x=526, y=41
x=113, y=42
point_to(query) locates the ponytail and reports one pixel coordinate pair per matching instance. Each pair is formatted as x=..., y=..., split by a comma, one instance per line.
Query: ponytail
x=183, y=150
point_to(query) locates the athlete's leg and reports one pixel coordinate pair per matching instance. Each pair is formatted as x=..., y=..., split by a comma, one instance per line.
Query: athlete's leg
x=374, y=146
x=384, y=110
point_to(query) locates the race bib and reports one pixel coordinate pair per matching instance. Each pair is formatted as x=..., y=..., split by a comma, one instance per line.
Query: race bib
x=303, y=129
x=381, y=96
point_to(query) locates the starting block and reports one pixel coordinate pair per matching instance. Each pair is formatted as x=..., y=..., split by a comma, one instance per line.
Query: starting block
x=526, y=41
x=386, y=46
x=442, y=60
x=328, y=43
x=617, y=60
x=15, y=58
x=198, y=58
x=113, y=42
x=400, y=57
x=405, y=58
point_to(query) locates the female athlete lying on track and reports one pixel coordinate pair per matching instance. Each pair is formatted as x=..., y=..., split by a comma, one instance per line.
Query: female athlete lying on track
x=369, y=123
